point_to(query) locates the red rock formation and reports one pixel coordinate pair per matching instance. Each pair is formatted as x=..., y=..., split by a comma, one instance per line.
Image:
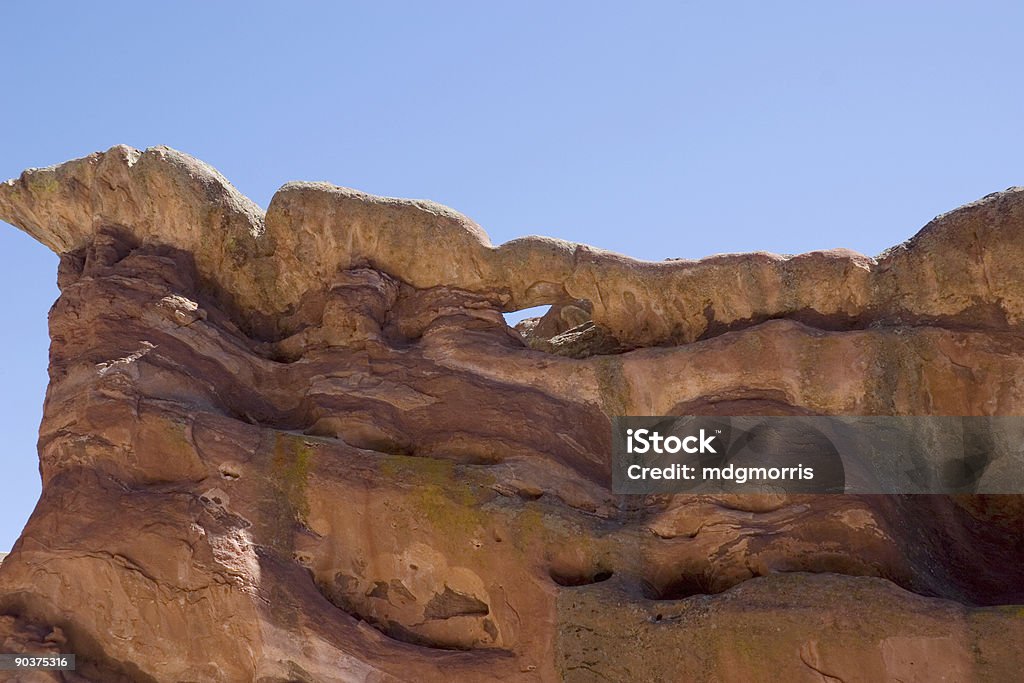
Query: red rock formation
x=306, y=447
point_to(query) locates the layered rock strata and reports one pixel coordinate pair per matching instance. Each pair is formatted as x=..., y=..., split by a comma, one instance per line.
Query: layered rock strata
x=305, y=446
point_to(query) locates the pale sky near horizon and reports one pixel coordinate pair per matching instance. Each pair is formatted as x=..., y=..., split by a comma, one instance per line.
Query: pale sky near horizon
x=656, y=129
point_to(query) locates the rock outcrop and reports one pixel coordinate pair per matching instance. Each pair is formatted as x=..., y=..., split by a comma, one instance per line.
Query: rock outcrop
x=305, y=446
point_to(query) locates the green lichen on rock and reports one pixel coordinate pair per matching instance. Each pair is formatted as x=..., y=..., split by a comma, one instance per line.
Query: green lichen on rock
x=293, y=456
x=42, y=181
x=446, y=496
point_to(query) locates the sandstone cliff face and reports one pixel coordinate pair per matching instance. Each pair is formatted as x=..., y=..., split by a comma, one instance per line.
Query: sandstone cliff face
x=305, y=446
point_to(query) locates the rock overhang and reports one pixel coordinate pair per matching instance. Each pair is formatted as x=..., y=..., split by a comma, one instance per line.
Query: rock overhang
x=263, y=265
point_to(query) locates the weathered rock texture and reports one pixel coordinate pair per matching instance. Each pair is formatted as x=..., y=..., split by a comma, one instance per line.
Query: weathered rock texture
x=305, y=446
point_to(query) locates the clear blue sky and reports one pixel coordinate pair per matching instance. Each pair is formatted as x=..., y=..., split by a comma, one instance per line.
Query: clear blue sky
x=653, y=129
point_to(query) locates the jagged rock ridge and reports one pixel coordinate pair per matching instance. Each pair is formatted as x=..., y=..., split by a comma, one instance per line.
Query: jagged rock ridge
x=306, y=446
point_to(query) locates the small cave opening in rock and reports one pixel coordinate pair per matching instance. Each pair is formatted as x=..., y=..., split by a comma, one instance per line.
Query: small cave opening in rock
x=534, y=312
x=564, y=329
x=569, y=579
x=685, y=587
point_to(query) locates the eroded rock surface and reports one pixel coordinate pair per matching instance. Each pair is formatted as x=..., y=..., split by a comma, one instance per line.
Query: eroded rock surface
x=305, y=446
